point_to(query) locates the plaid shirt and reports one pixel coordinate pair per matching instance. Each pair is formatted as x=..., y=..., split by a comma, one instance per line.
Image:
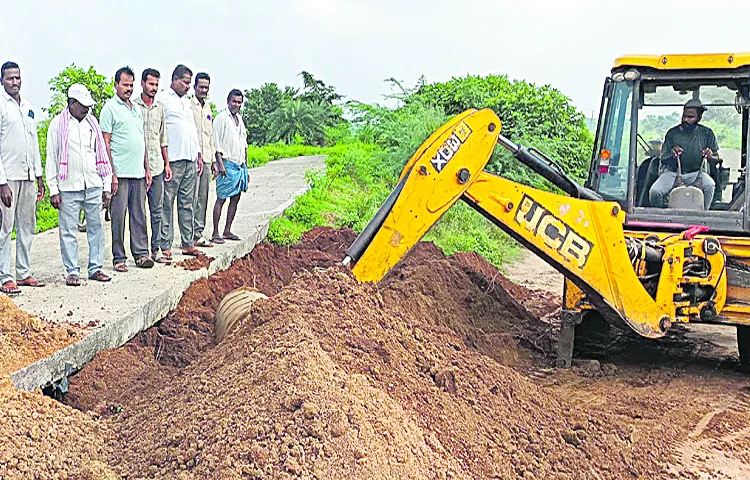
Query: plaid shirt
x=155, y=133
x=203, y=123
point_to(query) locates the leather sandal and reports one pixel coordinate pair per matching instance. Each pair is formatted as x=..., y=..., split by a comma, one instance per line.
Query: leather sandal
x=73, y=281
x=121, y=267
x=10, y=288
x=202, y=242
x=30, y=282
x=100, y=276
x=144, y=262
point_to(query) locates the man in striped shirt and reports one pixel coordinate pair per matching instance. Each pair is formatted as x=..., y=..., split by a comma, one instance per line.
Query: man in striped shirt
x=155, y=132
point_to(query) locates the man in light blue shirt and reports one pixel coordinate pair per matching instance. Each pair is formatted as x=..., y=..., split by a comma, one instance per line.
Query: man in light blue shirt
x=122, y=127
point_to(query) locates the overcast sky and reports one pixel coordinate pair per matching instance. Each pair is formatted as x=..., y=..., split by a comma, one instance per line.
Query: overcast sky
x=356, y=44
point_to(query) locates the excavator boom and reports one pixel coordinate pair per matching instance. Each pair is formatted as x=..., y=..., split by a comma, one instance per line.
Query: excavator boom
x=580, y=235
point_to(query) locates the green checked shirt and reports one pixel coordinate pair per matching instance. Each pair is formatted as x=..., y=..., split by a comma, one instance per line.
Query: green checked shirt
x=155, y=133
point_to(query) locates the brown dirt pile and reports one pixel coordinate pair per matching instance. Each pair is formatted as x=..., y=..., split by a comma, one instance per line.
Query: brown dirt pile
x=438, y=372
x=195, y=263
x=467, y=294
x=332, y=379
x=25, y=338
x=188, y=330
x=43, y=439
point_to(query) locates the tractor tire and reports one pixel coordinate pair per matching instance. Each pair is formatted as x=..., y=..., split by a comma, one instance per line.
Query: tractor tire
x=234, y=308
x=743, y=345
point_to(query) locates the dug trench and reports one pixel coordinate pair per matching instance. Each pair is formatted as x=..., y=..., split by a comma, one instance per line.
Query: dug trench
x=443, y=370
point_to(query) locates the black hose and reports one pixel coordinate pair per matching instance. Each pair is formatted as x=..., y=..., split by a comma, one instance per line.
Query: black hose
x=548, y=169
x=357, y=249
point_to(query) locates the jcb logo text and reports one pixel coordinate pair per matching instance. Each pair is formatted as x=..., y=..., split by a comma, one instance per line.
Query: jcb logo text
x=556, y=234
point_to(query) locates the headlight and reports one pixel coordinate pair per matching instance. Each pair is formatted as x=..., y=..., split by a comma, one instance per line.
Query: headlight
x=632, y=75
x=618, y=77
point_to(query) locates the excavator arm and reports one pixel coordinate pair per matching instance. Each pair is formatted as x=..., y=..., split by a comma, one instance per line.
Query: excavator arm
x=580, y=235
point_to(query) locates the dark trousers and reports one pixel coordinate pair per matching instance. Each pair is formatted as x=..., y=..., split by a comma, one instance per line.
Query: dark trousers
x=131, y=199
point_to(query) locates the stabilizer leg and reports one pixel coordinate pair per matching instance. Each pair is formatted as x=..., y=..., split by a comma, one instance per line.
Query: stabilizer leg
x=568, y=321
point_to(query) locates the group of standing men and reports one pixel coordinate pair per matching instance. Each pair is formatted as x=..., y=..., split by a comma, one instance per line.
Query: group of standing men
x=160, y=146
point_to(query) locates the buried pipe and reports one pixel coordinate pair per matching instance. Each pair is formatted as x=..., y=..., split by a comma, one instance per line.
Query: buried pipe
x=233, y=308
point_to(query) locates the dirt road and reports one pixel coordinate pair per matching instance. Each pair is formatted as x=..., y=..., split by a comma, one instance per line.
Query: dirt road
x=697, y=365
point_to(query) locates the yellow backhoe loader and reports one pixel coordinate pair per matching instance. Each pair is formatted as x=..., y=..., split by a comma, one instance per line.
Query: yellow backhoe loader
x=640, y=266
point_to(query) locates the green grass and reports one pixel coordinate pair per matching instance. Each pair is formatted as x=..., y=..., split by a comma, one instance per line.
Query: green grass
x=46, y=215
x=259, y=156
x=352, y=189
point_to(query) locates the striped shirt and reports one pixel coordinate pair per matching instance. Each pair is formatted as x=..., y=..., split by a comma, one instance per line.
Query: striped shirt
x=155, y=132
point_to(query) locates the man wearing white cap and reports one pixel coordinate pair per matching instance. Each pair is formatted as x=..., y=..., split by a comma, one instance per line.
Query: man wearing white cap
x=79, y=175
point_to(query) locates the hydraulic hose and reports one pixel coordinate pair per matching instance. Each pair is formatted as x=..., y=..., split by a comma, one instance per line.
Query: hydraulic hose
x=536, y=161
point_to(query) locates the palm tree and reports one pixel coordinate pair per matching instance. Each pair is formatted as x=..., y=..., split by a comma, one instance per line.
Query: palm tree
x=295, y=117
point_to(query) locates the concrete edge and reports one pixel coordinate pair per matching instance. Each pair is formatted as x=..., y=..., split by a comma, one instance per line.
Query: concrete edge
x=49, y=370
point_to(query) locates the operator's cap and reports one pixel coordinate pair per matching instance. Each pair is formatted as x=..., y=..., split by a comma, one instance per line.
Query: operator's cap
x=695, y=103
x=81, y=94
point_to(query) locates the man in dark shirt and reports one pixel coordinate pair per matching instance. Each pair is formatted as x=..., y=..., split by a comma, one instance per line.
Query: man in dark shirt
x=692, y=143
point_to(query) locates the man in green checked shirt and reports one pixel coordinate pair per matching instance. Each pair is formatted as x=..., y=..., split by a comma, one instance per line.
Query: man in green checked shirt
x=155, y=132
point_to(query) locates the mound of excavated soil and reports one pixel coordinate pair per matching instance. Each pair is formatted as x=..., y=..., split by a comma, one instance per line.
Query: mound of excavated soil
x=466, y=299
x=333, y=379
x=434, y=373
x=43, y=439
x=195, y=263
x=25, y=338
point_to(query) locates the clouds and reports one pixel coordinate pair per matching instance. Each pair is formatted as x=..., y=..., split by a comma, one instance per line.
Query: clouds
x=355, y=44
x=338, y=18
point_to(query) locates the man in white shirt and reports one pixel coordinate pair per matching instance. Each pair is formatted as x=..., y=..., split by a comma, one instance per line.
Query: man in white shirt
x=230, y=169
x=79, y=175
x=21, y=184
x=185, y=162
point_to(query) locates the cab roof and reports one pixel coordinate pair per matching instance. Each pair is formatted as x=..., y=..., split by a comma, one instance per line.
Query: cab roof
x=685, y=61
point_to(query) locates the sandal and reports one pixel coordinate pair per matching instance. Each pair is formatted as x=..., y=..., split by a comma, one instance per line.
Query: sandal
x=30, y=282
x=10, y=288
x=121, y=267
x=192, y=252
x=160, y=258
x=73, y=281
x=144, y=262
x=202, y=242
x=231, y=236
x=100, y=276
x=218, y=240
x=166, y=255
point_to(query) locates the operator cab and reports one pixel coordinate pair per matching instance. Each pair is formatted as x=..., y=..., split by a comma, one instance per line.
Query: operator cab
x=643, y=99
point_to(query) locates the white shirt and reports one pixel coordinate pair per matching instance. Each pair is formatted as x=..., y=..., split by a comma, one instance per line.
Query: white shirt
x=230, y=138
x=182, y=136
x=82, y=173
x=19, y=143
